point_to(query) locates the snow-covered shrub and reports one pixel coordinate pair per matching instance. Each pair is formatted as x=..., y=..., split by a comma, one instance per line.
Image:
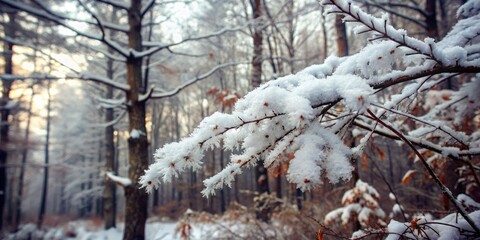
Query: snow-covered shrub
x=452, y=226
x=361, y=204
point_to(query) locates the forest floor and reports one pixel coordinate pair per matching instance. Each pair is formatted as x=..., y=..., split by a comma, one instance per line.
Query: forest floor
x=86, y=230
x=157, y=230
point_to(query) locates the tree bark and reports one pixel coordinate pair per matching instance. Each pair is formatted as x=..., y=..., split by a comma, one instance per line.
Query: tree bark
x=325, y=38
x=341, y=41
x=431, y=19
x=261, y=175
x=18, y=214
x=260, y=170
x=4, y=126
x=43, y=201
x=109, y=192
x=136, y=199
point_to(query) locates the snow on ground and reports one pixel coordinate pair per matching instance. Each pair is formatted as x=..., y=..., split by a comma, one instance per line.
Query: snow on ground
x=83, y=230
x=153, y=231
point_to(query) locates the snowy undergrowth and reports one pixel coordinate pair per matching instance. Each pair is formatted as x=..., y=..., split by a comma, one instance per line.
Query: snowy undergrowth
x=235, y=224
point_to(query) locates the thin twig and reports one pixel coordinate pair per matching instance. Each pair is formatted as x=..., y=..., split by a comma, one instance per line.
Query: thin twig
x=444, y=188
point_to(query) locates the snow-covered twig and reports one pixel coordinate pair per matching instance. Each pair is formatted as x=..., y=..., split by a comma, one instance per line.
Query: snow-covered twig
x=92, y=78
x=444, y=189
x=155, y=94
x=114, y=121
x=48, y=15
x=378, y=26
x=111, y=26
x=453, y=134
x=156, y=46
x=455, y=154
x=110, y=43
x=122, y=181
x=85, y=76
x=117, y=4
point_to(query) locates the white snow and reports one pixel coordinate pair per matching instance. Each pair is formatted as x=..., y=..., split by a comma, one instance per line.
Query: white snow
x=467, y=201
x=361, y=203
x=123, y=181
x=452, y=226
x=135, y=133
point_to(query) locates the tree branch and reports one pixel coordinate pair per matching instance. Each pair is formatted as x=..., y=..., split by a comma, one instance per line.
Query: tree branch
x=444, y=189
x=428, y=72
x=152, y=94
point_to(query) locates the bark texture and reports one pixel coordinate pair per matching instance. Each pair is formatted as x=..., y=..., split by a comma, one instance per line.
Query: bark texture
x=431, y=18
x=341, y=41
x=43, y=201
x=136, y=199
x=5, y=112
x=256, y=79
x=109, y=192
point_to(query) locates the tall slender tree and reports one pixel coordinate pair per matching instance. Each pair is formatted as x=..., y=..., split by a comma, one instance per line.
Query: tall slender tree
x=9, y=30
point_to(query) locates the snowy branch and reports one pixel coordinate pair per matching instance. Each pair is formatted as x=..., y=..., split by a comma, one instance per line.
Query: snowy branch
x=444, y=189
x=122, y=181
x=156, y=46
x=114, y=121
x=155, y=94
x=57, y=18
x=290, y=119
x=88, y=77
x=117, y=4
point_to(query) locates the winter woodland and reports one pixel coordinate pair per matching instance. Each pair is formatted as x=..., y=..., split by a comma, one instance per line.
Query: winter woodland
x=234, y=119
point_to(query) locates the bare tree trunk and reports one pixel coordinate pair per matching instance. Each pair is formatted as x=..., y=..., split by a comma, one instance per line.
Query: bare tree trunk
x=154, y=144
x=341, y=41
x=261, y=175
x=325, y=38
x=278, y=182
x=43, y=201
x=261, y=172
x=109, y=192
x=136, y=199
x=18, y=214
x=4, y=125
x=222, y=191
x=291, y=35
x=431, y=19
x=257, y=44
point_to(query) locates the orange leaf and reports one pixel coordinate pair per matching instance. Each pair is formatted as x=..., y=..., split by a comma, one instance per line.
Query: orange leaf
x=364, y=162
x=320, y=234
x=408, y=176
x=277, y=171
x=413, y=223
x=382, y=154
x=213, y=91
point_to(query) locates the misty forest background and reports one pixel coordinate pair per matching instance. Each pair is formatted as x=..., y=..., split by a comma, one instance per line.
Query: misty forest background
x=69, y=90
